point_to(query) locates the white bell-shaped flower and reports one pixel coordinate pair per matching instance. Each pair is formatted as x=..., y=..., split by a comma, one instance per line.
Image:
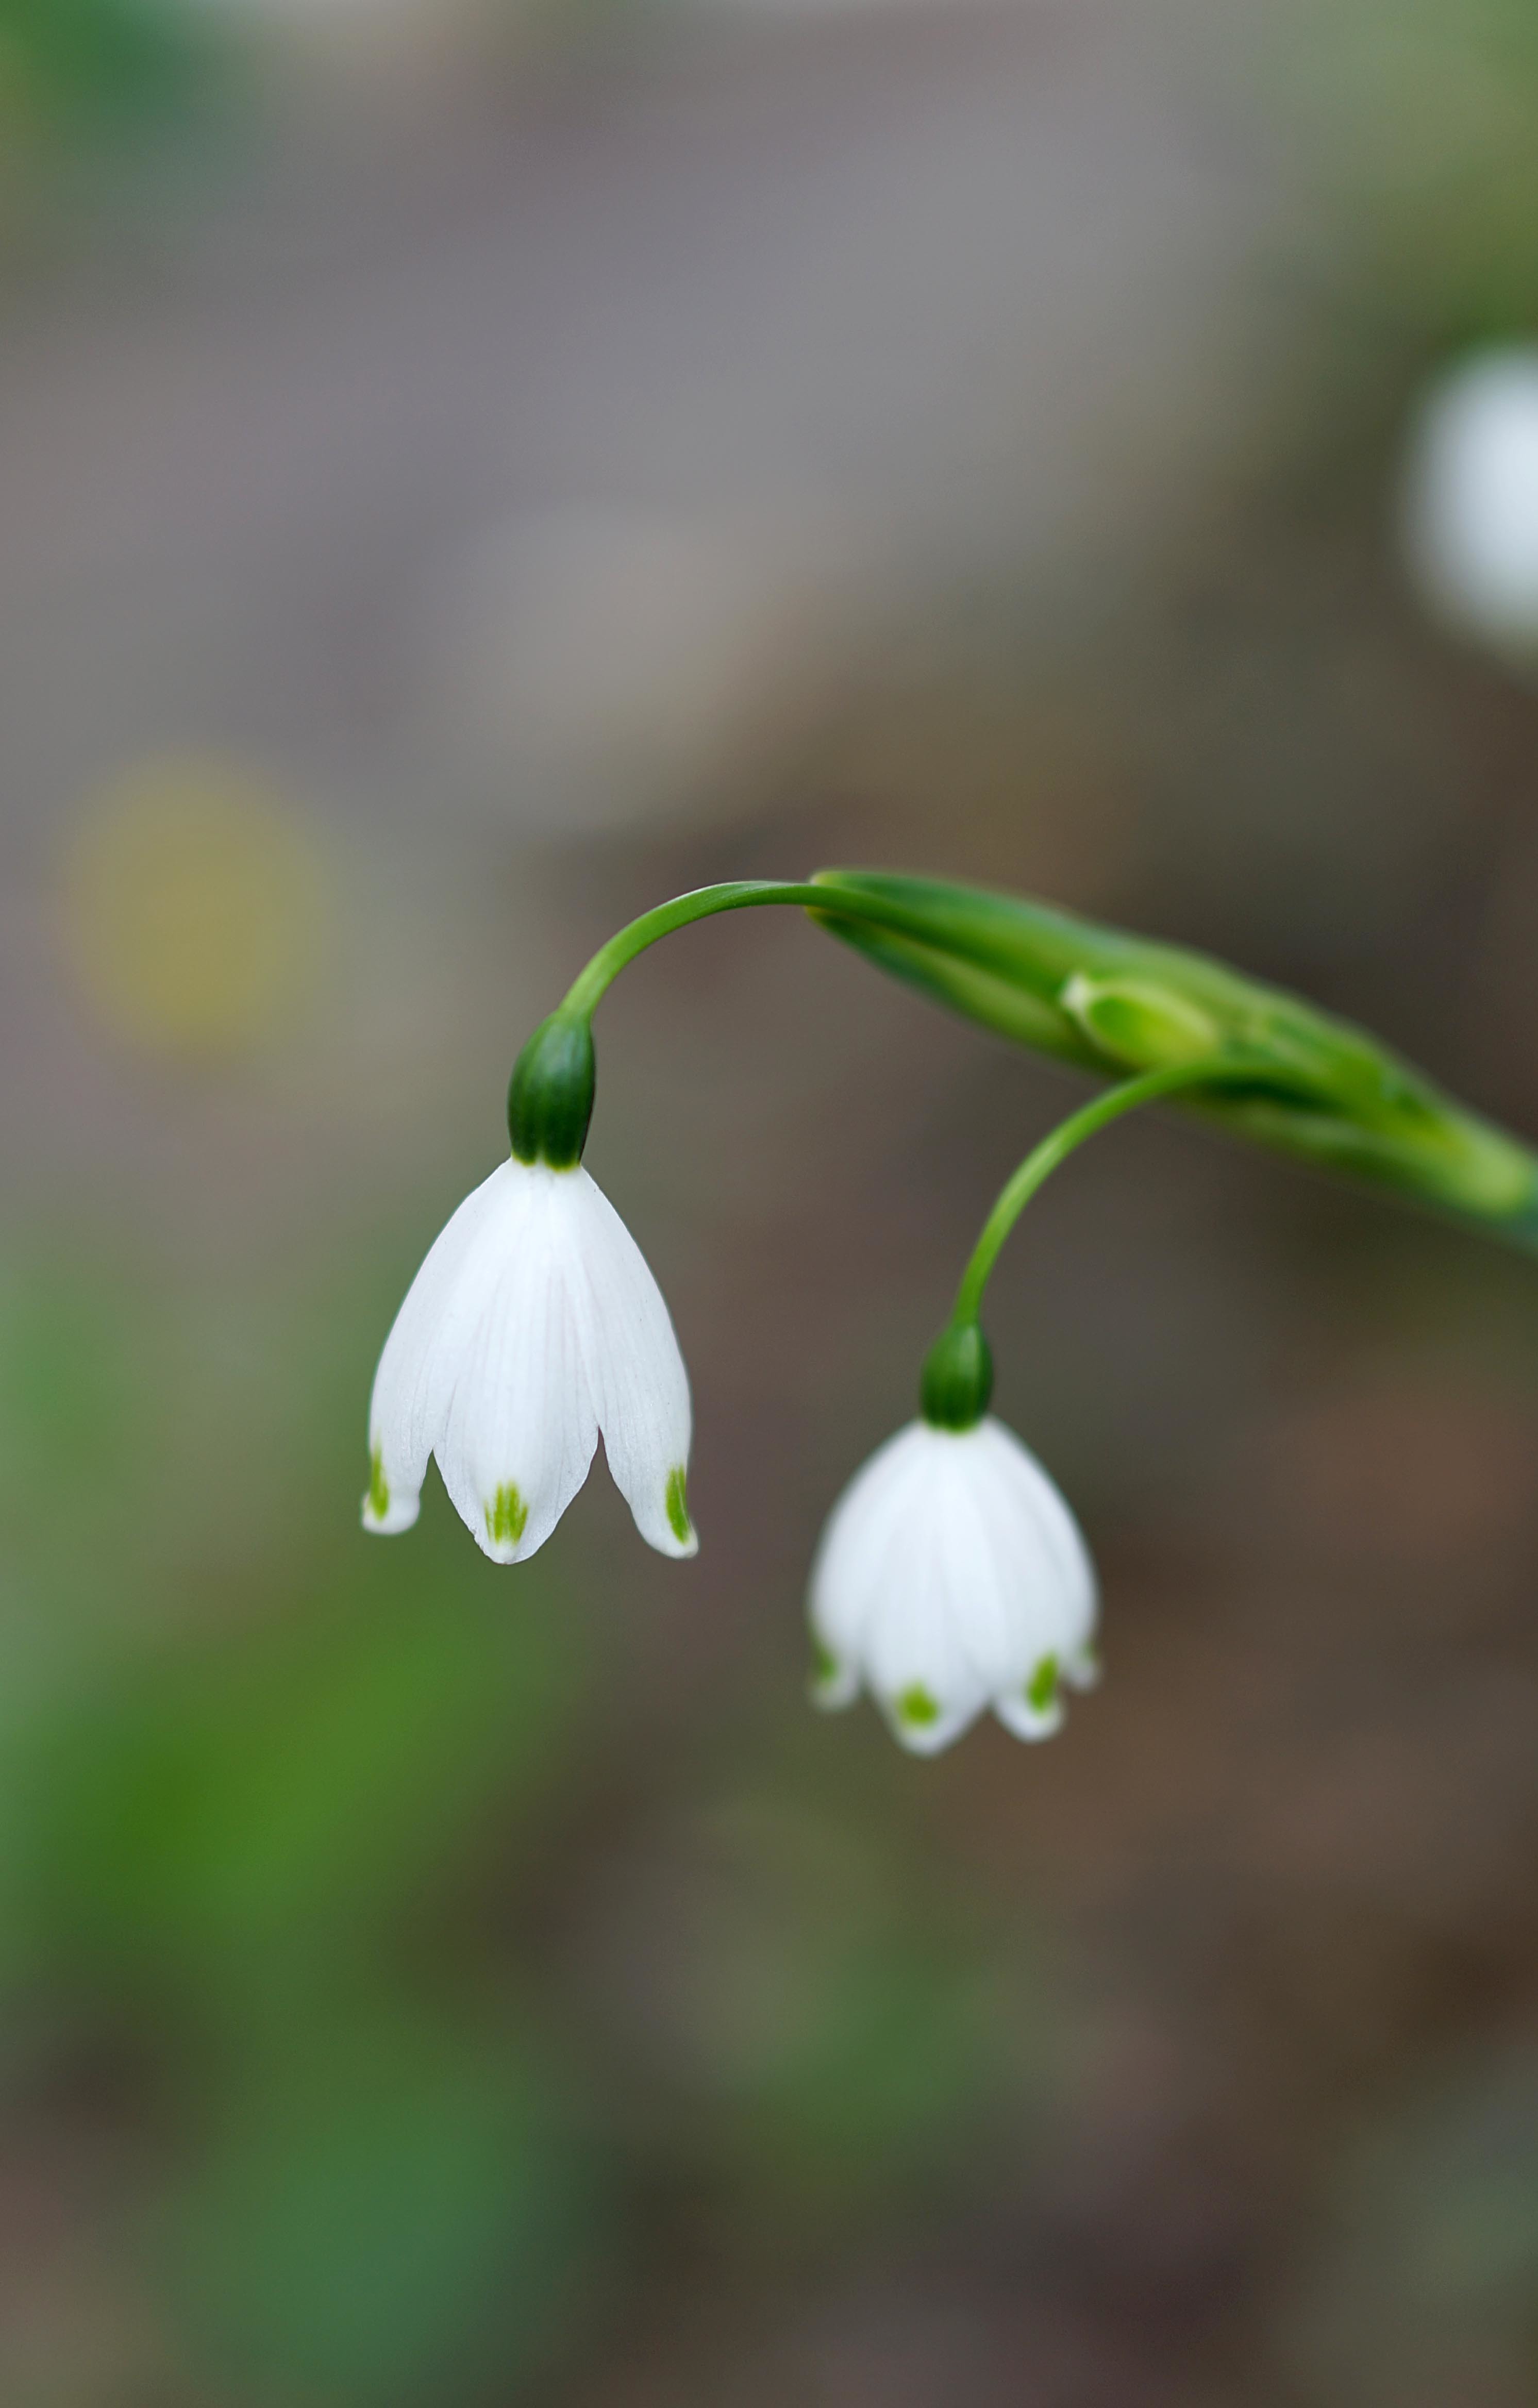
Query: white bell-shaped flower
x=1470, y=499
x=533, y=1325
x=952, y=1577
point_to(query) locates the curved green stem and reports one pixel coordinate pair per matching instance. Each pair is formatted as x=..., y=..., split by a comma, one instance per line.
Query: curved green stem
x=1043, y=1159
x=836, y=902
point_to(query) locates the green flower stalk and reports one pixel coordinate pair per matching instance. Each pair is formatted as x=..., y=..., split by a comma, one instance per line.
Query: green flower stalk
x=952, y=1575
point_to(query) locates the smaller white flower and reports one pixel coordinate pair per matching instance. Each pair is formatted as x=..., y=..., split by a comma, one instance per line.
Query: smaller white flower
x=1470, y=499
x=533, y=1325
x=952, y=1577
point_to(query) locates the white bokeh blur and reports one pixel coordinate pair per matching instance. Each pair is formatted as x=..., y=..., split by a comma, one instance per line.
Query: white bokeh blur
x=1471, y=499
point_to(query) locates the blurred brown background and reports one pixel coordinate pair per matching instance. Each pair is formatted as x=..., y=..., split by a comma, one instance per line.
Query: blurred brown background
x=466, y=474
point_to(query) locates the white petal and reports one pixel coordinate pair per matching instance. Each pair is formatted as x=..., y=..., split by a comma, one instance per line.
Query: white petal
x=915, y=1665
x=639, y=1385
x=522, y=1424
x=1053, y=1594
x=421, y=1357
x=982, y=1576
x=1033, y=1715
x=850, y=1571
x=887, y=1588
x=1082, y=1671
x=1058, y=1592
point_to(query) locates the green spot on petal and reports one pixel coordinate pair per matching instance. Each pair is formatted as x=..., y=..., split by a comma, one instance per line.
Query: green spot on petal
x=825, y=1665
x=1041, y=1689
x=506, y=1516
x=379, y=1487
x=678, y=1504
x=916, y=1708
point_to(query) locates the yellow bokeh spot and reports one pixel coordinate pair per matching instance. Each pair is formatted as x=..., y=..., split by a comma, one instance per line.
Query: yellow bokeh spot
x=194, y=909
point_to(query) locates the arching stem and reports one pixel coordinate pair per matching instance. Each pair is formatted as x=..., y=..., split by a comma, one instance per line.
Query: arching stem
x=738, y=894
x=1043, y=1159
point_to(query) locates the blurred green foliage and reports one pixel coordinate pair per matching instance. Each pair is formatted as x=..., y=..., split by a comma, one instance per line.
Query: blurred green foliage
x=818, y=2006
x=1424, y=2276
x=98, y=96
x=244, y=1813
x=72, y=66
x=276, y=1800
x=391, y=2207
x=224, y=1850
x=1427, y=115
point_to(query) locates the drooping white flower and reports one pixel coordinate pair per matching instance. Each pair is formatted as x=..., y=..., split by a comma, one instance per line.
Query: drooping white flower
x=533, y=1325
x=952, y=1577
x=1470, y=499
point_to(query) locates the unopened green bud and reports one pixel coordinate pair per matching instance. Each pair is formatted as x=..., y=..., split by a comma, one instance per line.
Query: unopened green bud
x=1145, y=1026
x=550, y=1101
x=957, y=1379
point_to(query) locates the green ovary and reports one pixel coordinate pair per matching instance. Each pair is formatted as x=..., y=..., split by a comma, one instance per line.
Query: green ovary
x=379, y=1487
x=677, y=1500
x=506, y=1516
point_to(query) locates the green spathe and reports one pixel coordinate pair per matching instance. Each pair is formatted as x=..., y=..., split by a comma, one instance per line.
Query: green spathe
x=1108, y=1002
